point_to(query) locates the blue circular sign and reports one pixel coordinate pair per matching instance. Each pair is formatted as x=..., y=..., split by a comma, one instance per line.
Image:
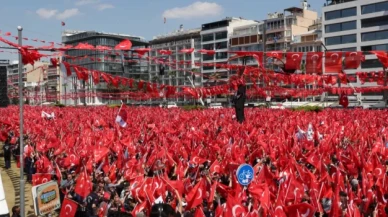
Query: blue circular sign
x=244, y=174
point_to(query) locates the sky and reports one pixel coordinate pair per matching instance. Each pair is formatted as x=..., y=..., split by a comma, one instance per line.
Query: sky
x=42, y=19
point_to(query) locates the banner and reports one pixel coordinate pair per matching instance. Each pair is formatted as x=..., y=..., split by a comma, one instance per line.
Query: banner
x=46, y=198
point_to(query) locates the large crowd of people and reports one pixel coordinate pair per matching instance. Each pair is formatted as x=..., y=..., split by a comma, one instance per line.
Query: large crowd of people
x=170, y=162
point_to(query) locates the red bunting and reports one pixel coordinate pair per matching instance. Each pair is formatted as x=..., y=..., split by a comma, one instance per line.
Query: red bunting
x=188, y=51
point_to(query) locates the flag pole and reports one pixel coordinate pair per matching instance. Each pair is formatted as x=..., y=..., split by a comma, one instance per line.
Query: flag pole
x=22, y=202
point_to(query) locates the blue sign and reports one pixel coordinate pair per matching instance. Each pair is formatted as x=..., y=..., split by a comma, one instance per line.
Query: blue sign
x=245, y=174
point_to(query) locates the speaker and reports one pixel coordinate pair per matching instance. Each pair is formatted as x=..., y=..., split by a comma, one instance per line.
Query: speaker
x=4, y=100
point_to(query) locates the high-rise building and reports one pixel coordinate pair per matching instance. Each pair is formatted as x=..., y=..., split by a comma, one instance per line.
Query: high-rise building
x=177, y=71
x=105, y=61
x=357, y=25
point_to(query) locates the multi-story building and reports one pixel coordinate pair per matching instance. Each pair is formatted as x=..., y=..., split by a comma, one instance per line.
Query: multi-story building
x=281, y=27
x=4, y=100
x=34, y=81
x=357, y=25
x=216, y=36
x=177, y=71
x=104, y=61
x=56, y=91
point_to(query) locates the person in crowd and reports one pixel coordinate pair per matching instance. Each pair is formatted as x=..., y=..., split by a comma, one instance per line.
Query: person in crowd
x=15, y=211
x=93, y=201
x=7, y=153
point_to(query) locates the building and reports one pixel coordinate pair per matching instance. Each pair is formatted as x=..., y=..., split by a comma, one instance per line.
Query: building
x=56, y=85
x=104, y=61
x=34, y=81
x=358, y=25
x=281, y=27
x=176, y=41
x=4, y=100
x=216, y=36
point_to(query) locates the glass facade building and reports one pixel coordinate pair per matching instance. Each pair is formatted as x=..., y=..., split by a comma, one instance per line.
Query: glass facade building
x=105, y=61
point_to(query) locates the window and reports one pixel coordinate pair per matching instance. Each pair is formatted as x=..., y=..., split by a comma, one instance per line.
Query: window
x=222, y=45
x=372, y=36
x=207, y=67
x=221, y=55
x=221, y=35
x=372, y=8
x=374, y=21
x=367, y=64
x=208, y=37
x=345, y=39
x=375, y=47
x=341, y=27
x=208, y=57
x=341, y=13
x=349, y=49
x=303, y=50
x=208, y=46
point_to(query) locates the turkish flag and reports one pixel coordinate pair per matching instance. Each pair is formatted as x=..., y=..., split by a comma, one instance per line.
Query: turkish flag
x=124, y=45
x=83, y=187
x=165, y=52
x=333, y=62
x=78, y=72
x=63, y=23
x=353, y=59
x=40, y=178
x=382, y=56
x=275, y=54
x=96, y=77
x=69, y=208
x=107, y=78
x=314, y=62
x=68, y=70
x=54, y=62
x=187, y=50
x=207, y=52
x=293, y=60
x=195, y=197
x=142, y=51
x=302, y=209
x=344, y=101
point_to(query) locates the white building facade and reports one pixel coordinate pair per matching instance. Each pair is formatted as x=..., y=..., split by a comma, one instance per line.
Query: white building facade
x=358, y=25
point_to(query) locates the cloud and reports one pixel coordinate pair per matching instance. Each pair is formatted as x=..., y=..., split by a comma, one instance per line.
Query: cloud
x=195, y=10
x=102, y=7
x=86, y=2
x=67, y=14
x=46, y=13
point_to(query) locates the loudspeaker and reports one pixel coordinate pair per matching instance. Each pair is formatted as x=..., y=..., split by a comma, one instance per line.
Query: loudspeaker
x=4, y=100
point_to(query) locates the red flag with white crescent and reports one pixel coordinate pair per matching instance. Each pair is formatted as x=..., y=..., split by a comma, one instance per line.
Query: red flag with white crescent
x=69, y=208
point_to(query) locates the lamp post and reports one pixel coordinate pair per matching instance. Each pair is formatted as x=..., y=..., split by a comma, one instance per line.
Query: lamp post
x=22, y=205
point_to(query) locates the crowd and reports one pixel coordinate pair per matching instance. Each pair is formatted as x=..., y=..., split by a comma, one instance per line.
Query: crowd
x=170, y=162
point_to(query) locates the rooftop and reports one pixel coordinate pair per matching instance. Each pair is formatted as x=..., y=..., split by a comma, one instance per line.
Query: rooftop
x=70, y=33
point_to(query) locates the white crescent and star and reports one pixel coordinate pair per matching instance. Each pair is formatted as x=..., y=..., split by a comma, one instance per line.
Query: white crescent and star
x=332, y=57
x=200, y=194
x=70, y=209
x=307, y=213
x=234, y=209
x=314, y=57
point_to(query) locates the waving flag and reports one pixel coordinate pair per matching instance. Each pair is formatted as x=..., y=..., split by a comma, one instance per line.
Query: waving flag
x=121, y=118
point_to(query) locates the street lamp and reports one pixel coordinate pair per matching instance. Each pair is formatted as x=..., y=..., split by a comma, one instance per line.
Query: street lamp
x=22, y=205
